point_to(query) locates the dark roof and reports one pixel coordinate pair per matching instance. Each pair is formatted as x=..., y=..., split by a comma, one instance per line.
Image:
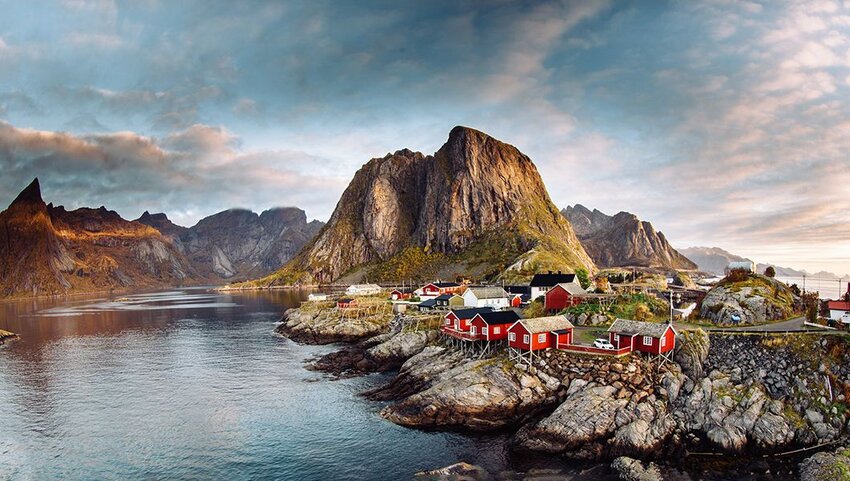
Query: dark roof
x=403, y=291
x=630, y=327
x=446, y=284
x=550, y=280
x=469, y=313
x=428, y=303
x=345, y=299
x=500, y=317
x=445, y=297
x=561, y=331
x=518, y=289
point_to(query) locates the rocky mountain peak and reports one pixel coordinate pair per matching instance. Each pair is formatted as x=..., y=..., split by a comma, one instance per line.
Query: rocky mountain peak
x=30, y=195
x=623, y=240
x=474, y=187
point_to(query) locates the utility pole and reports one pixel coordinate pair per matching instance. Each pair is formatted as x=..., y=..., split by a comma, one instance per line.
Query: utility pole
x=804, y=283
x=671, y=306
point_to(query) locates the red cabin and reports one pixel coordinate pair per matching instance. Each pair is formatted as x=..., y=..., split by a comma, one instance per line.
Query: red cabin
x=399, y=294
x=435, y=289
x=459, y=319
x=540, y=333
x=516, y=300
x=345, y=303
x=648, y=337
x=493, y=326
x=563, y=296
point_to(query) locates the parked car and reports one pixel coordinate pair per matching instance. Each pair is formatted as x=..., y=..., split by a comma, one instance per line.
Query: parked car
x=603, y=344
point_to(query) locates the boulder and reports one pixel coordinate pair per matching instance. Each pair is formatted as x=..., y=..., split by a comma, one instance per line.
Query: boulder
x=629, y=469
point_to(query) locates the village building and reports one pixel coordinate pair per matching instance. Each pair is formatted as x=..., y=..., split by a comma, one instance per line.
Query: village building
x=345, y=303
x=427, y=305
x=838, y=310
x=563, y=296
x=490, y=327
x=526, y=336
x=494, y=297
x=638, y=336
x=541, y=283
x=447, y=301
x=317, y=296
x=435, y=289
x=401, y=294
x=746, y=266
x=363, y=290
x=459, y=319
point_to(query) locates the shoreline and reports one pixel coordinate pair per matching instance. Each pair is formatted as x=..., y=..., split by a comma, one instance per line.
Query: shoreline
x=6, y=336
x=665, y=413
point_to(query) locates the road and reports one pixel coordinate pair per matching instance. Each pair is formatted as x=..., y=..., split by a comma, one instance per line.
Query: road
x=795, y=324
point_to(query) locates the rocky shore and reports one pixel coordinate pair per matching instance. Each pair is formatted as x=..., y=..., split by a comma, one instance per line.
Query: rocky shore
x=722, y=393
x=7, y=336
x=320, y=323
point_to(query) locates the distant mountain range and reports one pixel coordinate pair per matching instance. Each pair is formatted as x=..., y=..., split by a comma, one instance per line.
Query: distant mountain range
x=623, y=240
x=714, y=260
x=47, y=250
x=476, y=207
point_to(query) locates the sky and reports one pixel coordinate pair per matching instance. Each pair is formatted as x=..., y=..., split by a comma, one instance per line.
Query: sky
x=724, y=123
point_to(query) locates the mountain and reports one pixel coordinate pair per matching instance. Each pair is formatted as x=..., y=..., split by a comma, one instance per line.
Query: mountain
x=238, y=243
x=48, y=250
x=712, y=259
x=476, y=207
x=623, y=240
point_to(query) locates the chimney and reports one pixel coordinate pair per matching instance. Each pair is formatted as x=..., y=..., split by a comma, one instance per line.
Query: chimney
x=550, y=272
x=559, y=272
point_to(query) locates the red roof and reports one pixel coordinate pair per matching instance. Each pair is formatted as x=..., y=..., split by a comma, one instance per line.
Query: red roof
x=839, y=305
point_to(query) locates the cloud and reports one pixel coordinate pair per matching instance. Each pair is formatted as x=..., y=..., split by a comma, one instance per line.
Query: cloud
x=190, y=174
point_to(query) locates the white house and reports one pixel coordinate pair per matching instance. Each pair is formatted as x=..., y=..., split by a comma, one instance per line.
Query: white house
x=838, y=309
x=541, y=283
x=363, y=289
x=494, y=297
x=317, y=296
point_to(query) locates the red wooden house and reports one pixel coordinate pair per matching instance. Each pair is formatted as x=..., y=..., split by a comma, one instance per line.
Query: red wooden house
x=459, y=319
x=400, y=294
x=539, y=333
x=563, y=296
x=649, y=337
x=345, y=303
x=515, y=300
x=493, y=326
x=435, y=289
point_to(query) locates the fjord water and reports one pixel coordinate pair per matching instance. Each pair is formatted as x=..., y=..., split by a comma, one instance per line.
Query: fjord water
x=194, y=384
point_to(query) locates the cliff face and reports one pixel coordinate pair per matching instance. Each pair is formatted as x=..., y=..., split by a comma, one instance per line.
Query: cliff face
x=624, y=240
x=474, y=195
x=48, y=250
x=239, y=243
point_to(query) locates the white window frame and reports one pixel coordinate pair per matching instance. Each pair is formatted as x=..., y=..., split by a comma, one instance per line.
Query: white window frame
x=497, y=329
x=484, y=331
x=472, y=330
x=663, y=341
x=526, y=338
x=647, y=340
x=512, y=336
x=541, y=337
x=617, y=339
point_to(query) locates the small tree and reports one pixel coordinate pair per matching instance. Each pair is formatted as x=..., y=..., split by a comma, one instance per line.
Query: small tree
x=602, y=284
x=770, y=272
x=811, y=305
x=583, y=278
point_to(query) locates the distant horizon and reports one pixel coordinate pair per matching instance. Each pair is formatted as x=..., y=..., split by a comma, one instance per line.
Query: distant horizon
x=732, y=129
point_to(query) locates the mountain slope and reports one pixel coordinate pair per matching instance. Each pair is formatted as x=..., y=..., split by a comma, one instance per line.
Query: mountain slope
x=624, y=240
x=48, y=250
x=476, y=207
x=238, y=243
x=712, y=259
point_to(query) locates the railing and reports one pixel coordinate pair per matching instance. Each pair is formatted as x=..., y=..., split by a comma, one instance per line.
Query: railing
x=465, y=335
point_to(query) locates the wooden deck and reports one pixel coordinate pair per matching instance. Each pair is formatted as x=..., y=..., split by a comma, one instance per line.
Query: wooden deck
x=594, y=350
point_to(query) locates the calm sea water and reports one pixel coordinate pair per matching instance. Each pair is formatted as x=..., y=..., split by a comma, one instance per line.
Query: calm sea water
x=191, y=384
x=826, y=288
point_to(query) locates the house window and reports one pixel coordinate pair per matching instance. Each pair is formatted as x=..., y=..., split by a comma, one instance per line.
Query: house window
x=541, y=337
x=526, y=338
x=473, y=330
x=617, y=339
x=497, y=329
x=663, y=341
x=484, y=330
x=647, y=340
x=512, y=336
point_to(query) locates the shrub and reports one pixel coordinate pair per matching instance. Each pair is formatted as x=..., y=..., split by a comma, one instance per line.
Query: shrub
x=770, y=272
x=583, y=278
